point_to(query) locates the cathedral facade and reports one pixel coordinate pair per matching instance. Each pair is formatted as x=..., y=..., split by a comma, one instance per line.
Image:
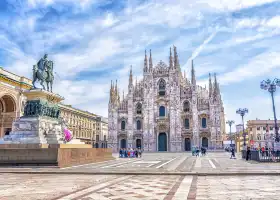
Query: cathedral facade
x=165, y=111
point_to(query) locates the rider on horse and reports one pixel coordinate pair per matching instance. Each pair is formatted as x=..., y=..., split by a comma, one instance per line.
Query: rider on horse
x=43, y=72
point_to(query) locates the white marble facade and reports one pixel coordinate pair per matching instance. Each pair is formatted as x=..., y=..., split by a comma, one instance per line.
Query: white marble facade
x=165, y=111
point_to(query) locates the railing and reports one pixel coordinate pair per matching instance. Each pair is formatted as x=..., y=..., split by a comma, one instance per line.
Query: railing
x=262, y=156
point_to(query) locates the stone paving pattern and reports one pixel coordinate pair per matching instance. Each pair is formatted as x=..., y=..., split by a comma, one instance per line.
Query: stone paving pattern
x=150, y=187
x=95, y=187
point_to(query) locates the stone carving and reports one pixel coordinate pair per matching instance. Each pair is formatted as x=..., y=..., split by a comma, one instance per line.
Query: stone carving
x=36, y=108
x=43, y=72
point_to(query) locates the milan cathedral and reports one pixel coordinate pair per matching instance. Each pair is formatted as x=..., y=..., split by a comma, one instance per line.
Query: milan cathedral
x=165, y=111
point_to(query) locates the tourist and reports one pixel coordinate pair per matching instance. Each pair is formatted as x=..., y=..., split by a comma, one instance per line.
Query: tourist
x=140, y=152
x=125, y=153
x=232, y=153
x=248, y=153
x=121, y=153
x=136, y=153
x=197, y=152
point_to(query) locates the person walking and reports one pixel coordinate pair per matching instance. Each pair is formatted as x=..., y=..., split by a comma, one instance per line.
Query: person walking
x=232, y=153
x=248, y=153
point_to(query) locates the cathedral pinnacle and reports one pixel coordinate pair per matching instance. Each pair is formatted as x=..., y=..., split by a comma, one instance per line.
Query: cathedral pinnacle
x=210, y=85
x=116, y=88
x=170, y=59
x=145, y=62
x=193, y=75
x=176, y=60
x=130, y=76
x=150, y=62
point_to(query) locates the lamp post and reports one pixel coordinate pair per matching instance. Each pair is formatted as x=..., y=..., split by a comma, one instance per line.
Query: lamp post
x=270, y=86
x=230, y=123
x=242, y=112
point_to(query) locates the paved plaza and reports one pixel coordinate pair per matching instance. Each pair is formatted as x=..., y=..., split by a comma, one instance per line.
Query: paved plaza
x=75, y=184
x=137, y=187
x=165, y=163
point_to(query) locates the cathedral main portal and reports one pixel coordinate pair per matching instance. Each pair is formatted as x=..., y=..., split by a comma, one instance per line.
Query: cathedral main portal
x=187, y=144
x=162, y=142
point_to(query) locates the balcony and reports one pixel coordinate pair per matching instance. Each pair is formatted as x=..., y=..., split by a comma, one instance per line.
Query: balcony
x=159, y=119
x=122, y=132
x=204, y=129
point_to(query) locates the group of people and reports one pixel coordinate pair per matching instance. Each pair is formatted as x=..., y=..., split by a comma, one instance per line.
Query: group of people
x=196, y=151
x=130, y=153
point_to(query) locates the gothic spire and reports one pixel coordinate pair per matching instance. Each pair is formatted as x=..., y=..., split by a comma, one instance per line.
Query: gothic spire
x=116, y=88
x=123, y=95
x=184, y=73
x=215, y=92
x=176, y=60
x=170, y=59
x=193, y=75
x=130, y=76
x=150, y=62
x=111, y=92
x=145, y=62
x=210, y=85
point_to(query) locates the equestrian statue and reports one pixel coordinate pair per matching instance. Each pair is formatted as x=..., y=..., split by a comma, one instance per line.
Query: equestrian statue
x=43, y=72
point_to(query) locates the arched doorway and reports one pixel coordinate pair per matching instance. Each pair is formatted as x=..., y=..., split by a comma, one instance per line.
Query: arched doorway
x=138, y=144
x=187, y=144
x=123, y=143
x=205, y=142
x=7, y=114
x=162, y=142
x=96, y=145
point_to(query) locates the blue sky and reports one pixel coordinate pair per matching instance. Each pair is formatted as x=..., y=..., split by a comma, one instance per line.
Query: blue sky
x=92, y=42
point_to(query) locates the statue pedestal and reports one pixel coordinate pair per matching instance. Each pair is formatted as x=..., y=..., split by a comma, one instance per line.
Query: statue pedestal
x=40, y=123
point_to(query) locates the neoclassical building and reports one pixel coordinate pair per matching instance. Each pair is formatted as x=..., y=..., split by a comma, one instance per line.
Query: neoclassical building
x=12, y=101
x=165, y=111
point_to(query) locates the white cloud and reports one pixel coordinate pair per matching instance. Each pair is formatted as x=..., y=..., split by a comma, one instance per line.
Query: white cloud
x=259, y=65
x=116, y=40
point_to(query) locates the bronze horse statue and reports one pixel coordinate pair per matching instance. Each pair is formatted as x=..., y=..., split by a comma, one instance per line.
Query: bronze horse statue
x=44, y=75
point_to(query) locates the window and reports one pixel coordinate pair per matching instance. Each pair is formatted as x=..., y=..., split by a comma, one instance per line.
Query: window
x=251, y=129
x=161, y=87
x=203, y=122
x=162, y=111
x=258, y=128
x=259, y=137
x=139, y=108
x=264, y=128
x=138, y=125
x=271, y=128
x=187, y=123
x=186, y=106
x=105, y=138
x=97, y=138
x=123, y=125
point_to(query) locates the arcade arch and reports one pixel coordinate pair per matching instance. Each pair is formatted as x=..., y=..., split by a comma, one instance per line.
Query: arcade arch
x=8, y=110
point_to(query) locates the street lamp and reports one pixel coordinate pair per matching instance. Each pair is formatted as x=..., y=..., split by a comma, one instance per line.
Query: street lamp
x=230, y=123
x=270, y=86
x=242, y=112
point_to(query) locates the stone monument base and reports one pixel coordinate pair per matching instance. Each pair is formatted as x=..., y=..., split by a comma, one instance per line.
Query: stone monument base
x=34, y=130
x=56, y=155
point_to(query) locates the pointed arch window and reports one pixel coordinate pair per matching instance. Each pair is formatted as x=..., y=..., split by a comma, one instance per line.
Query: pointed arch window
x=161, y=87
x=139, y=108
x=123, y=125
x=203, y=122
x=162, y=111
x=187, y=123
x=138, y=124
x=186, y=106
